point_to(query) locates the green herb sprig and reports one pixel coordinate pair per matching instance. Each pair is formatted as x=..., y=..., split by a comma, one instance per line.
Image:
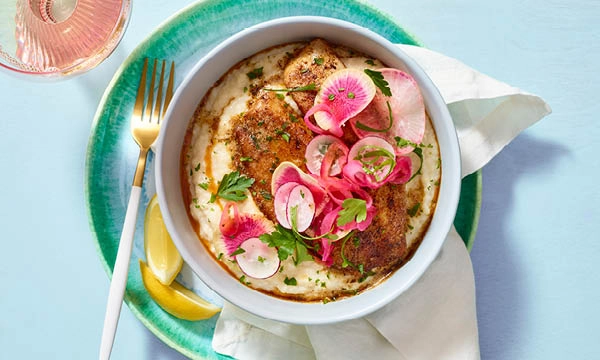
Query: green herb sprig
x=232, y=187
x=379, y=81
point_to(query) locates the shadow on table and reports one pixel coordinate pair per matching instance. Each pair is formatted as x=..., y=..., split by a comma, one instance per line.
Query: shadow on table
x=499, y=271
x=157, y=350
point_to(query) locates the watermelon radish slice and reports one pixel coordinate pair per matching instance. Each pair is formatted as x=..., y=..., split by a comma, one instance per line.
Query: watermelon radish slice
x=258, y=260
x=250, y=226
x=407, y=110
x=318, y=147
x=343, y=95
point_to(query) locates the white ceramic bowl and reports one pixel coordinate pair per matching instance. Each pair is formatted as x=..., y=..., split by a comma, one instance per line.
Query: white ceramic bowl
x=186, y=99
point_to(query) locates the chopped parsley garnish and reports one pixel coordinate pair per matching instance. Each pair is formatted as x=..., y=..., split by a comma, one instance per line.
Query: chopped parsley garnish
x=256, y=73
x=220, y=256
x=197, y=168
x=246, y=159
x=350, y=95
x=318, y=61
x=379, y=81
x=280, y=96
x=290, y=281
x=309, y=87
x=352, y=210
x=232, y=187
x=243, y=280
x=260, y=259
x=331, y=97
x=266, y=195
x=238, y=251
x=204, y=185
x=293, y=118
x=413, y=210
x=370, y=62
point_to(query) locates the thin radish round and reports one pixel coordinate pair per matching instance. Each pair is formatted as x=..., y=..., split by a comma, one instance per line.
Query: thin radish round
x=280, y=204
x=288, y=172
x=317, y=149
x=407, y=112
x=301, y=204
x=370, y=162
x=258, y=260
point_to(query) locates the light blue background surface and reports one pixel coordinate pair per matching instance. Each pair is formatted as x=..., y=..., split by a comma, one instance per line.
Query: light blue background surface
x=535, y=255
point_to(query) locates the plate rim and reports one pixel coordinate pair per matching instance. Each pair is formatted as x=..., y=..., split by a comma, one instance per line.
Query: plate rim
x=171, y=21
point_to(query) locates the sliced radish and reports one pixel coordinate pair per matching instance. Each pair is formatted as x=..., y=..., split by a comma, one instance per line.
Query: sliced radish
x=318, y=147
x=408, y=112
x=403, y=170
x=258, y=260
x=301, y=199
x=250, y=226
x=288, y=172
x=230, y=220
x=371, y=161
x=343, y=95
x=280, y=204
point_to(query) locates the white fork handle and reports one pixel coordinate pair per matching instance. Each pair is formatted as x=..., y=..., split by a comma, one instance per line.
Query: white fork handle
x=119, y=277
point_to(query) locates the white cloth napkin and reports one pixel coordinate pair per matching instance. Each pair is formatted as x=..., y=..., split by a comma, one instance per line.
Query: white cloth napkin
x=436, y=318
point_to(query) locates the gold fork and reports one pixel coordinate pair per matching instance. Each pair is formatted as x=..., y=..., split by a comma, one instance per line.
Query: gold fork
x=145, y=126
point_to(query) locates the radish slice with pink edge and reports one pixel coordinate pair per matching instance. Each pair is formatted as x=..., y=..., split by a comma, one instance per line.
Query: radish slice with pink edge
x=280, y=204
x=258, y=260
x=301, y=199
x=343, y=95
x=408, y=112
x=288, y=172
x=370, y=162
x=317, y=149
x=230, y=220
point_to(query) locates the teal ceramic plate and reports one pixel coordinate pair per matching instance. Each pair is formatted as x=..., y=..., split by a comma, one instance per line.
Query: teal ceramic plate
x=112, y=154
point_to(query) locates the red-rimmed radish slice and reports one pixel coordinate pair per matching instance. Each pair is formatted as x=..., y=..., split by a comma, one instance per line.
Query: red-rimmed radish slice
x=288, y=172
x=258, y=260
x=249, y=226
x=343, y=95
x=371, y=160
x=230, y=219
x=408, y=112
x=280, y=204
x=301, y=199
x=318, y=147
x=403, y=170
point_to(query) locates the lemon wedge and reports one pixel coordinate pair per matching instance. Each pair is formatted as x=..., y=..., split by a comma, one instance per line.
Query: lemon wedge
x=176, y=299
x=163, y=258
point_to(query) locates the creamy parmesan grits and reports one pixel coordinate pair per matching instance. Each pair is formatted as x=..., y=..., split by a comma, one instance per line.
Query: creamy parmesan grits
x=212, y=149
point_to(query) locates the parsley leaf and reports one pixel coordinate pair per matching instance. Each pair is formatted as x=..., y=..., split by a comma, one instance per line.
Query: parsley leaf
x=204, y=185
x=232, y=187
x=287, y=244
x=256, y=73
x=352, y=210
x=238, y=251
x=379, y=81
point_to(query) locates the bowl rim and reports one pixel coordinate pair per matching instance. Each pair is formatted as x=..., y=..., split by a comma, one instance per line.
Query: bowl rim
x=375, y=297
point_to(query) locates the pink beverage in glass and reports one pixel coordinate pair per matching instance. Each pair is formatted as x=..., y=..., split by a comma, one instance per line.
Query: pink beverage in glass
x=61, y=37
